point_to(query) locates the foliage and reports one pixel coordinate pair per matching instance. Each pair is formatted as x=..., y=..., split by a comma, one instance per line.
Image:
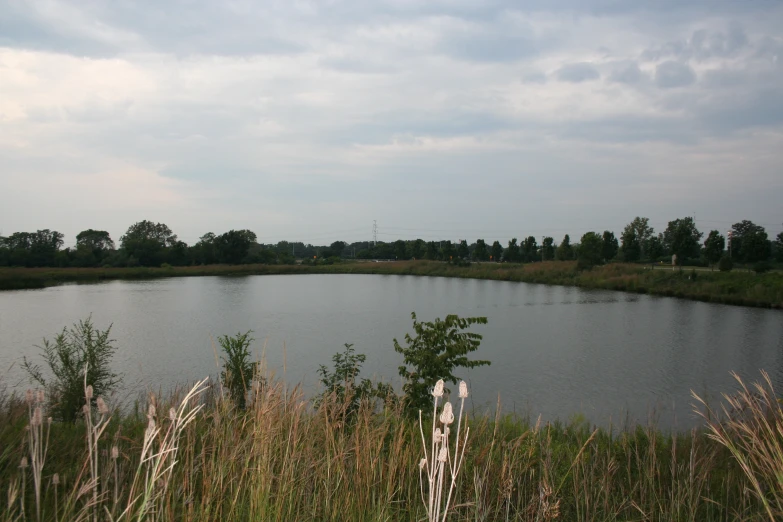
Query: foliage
x=233, y=246
x=496, y=251
x=761, y=267
x=714, y=246
x=146, y=242
x=462, y=250
x=74, y=350
x=530, y=250
x=341, y=386
x=238, y=371
x=480, y=253
x=749, y=242
x=610, y=246
x=447, y=251
x=512, y=254
x=548, y=249
x=779, y=247
x=635, y=239
x=591, y=251
x=565, y=252
x=725, y=264
x=438, y=349
x=681, y=238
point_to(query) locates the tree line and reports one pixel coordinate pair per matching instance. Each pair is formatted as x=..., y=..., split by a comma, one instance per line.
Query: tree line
x=146, y=243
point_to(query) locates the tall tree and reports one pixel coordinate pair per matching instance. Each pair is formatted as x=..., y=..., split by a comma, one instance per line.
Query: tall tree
x=512, y=252
x=146, y=241
x=337, y=248
x=530, y=249
x=447, y=251
x=462, y=250
x=681, y=238
x=233, y=246
x=635, y=237
x=591, y=250
x=432, y=250
x=548, y=249
x=400, y=250
x=748, y=242
x=611, y=246
x=714, y=246
x=418, y=248
x=565, y=252
x=480, y=252
x=496, y=251
x=96, y=240
x=779, y=247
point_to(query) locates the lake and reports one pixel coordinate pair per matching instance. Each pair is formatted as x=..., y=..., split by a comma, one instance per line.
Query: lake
x=556, y=351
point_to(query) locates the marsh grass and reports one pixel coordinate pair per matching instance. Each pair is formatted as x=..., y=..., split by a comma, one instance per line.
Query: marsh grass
x=192, y=456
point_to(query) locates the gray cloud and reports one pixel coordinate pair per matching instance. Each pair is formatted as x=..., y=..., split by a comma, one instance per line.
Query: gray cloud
x=628, y=73
x=671, y=74
x=577, y=72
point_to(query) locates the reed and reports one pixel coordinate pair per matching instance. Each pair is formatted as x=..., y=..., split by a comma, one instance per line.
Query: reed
x=283, y=459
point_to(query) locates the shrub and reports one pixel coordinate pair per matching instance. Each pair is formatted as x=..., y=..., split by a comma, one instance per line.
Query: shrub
x=725, y=264
x=82, y=346
x=438, y=348
x=341, y=382
x=762, y=267
x=238, y=371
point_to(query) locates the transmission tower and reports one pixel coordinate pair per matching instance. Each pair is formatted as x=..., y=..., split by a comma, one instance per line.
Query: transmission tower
x=374, y=233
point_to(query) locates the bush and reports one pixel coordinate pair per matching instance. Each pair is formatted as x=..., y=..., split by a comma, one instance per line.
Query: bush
x=725, y=264
x=438, y=348
x=762, y=267
x=238, y=372
x=73, y=350
x=342, y=382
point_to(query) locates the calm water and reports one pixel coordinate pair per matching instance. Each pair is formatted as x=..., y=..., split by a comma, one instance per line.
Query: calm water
x=555, y=351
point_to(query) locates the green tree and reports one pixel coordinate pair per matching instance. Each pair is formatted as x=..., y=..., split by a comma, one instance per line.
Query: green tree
x=205, y=251
x=548, y=249
x=146, y=242
x=565, y=252
x=512, y=252
x=530, y=250
x=438, y=349
x=462, y=250
x=496, y=251
x=749, y=242
x=653, y=248
x=591, y=250
x=74, y=350
x=338, y=247
x=635, y=237
x=418, y=248
x=432, y=250
x=714, y=246
x=447, y=251
x=480, y=253
x=400, y=250
x=238, y=371
x=611, y=246
x=725, y=264
x=779, y=247
x=234, y=246
x=681, y=238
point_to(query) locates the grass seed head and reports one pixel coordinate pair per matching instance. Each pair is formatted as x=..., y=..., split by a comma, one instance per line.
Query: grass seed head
x=23, y=463
x=172, y=414
x=88, y=392
x=447, y=416
x=115, y=452
x=102, y=408
x=463, y=390
x=37, y=419
x=28, y=396
x=56, y=479
x=422, y=464
x=438, y=390
x=40, y=396
x=443, y=454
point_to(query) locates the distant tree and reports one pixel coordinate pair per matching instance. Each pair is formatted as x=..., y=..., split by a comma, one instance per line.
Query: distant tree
x=462, y=249
x=681, y=238
x=496, y=251
x=512, y=252
x=779, y=247
x=653, y=247
x=96, y=240
x=634, y=238
x=447, y=251
x=725, y=264
x=146, y=242
x=400, y=250
x=548, y=249
x=233, y=246
x=418, y=248
x=591, y=250
x=480, y=253
x=432, y=250
x=749, y=242
x=338, y=247
x=204, y=252
x=530, y=249
x=565, y=252
x=714, y=246
x=611, y=246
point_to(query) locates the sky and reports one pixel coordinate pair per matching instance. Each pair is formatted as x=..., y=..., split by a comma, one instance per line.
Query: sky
x=439, y=119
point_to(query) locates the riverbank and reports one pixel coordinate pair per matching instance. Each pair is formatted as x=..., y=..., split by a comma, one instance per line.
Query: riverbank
x=284, y=460
x=735, y=288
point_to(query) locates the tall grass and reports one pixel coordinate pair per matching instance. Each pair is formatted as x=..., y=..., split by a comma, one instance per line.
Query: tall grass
x=737, y=288
x=281, y=459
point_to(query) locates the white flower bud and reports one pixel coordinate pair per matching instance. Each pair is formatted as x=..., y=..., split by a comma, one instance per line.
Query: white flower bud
x=447, y=416
x=37, y=419
x=463, y=390
x=438, y=390
x=102, y=408
x=443, y=455
x=422, y=464
x=49, y=421
x=437, y=436
x=151, y=410
x=115, y=452
x=23, y=463
x=88, y=392
x=172, y=414
x=56, y=479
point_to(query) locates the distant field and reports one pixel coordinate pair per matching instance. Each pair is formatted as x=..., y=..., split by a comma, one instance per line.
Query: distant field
x=736, y=288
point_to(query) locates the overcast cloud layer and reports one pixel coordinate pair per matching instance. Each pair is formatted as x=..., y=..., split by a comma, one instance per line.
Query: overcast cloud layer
x=439, y=119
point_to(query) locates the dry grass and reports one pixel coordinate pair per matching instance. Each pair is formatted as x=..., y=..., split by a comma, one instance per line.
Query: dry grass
x=282, y=460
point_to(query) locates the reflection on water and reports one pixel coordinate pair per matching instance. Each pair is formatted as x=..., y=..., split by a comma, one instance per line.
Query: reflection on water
x=556, y=351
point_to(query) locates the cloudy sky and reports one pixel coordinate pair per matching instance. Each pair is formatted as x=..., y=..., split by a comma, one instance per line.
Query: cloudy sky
x=440, y=119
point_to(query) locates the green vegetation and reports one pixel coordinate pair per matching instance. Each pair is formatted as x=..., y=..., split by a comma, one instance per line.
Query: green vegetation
x=437, y=350
x=74, y=350
x=238, y=370
x=281, y=459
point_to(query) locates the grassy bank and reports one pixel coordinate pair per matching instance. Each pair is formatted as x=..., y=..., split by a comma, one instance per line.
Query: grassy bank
x=283, y=460
x=737, y=288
